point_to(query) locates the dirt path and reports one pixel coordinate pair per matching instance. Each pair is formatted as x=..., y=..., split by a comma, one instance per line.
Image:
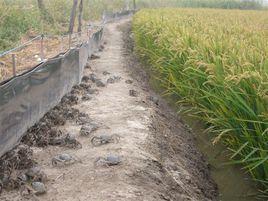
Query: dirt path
x=159, y=160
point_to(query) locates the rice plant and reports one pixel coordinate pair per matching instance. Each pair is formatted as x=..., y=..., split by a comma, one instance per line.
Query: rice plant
x=224, y=4
x=216, y=63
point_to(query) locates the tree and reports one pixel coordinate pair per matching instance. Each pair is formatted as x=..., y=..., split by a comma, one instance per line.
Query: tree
x=72, y=17
x=45, y=14
x=134, y=4
x=127, y=4
x=80, y=17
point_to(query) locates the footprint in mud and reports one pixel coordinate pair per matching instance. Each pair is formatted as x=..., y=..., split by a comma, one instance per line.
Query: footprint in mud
x=92, y=91
x=106, y=73
x=133, y=93
x=88, y=66
x=101, y=48
x=85, y=86
x=129, y=82
x=94, y=56
x=85, y=79
x=86, y=97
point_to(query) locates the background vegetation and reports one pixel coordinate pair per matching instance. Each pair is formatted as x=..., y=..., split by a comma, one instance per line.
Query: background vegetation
x=225, y=4
x=216, y=63
x=20, y=18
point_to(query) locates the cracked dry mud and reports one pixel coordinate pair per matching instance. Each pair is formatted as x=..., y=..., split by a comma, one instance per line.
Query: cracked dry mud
x=158, y=158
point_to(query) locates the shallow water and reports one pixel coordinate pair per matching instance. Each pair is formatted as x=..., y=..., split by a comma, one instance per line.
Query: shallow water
x=233, y=182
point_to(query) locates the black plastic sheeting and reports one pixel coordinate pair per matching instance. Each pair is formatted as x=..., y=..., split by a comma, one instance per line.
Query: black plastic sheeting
x=26, y=98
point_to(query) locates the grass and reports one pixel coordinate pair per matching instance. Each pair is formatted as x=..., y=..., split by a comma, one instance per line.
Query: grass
x=20, y=18
x=14, y=23
x=216, y=63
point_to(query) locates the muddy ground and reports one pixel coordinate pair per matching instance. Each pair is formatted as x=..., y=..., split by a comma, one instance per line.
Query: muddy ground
x=111, y=138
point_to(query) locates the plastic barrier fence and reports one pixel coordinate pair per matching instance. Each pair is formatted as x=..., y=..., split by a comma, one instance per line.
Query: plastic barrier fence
x=26, y=98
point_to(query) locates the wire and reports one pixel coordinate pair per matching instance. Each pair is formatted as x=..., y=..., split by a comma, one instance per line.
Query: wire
x=21, y=46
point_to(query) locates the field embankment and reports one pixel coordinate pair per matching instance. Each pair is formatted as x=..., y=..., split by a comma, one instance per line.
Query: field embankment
x=216, y=63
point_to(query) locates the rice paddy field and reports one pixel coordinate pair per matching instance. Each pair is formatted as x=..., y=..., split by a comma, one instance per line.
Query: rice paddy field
x=215, y=62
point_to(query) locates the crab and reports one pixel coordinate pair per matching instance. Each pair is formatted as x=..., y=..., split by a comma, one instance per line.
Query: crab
x=129, y=81
x=71, y=142
x=110, y=160
x=34, y=174
x=85, y=86
x=104, y=139
x=86, y=130
x=68, y=141
x=35, y=188
x=39, y=188
x=113, y=79
x=99, y=83
x=154, y=99
x=63, y=159
x=93, y=77
x=106, y=73
x=86, y=97
x=92, y=91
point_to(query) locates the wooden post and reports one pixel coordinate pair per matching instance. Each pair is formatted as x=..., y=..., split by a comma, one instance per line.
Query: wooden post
x=134, y=4
x=80, y=17
x=14, y=64
x=70, y=40
x=61, y=44
x=80, y=37
x=126, y=5
x=42, y=55
x=103, y=16
x=72, y=17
